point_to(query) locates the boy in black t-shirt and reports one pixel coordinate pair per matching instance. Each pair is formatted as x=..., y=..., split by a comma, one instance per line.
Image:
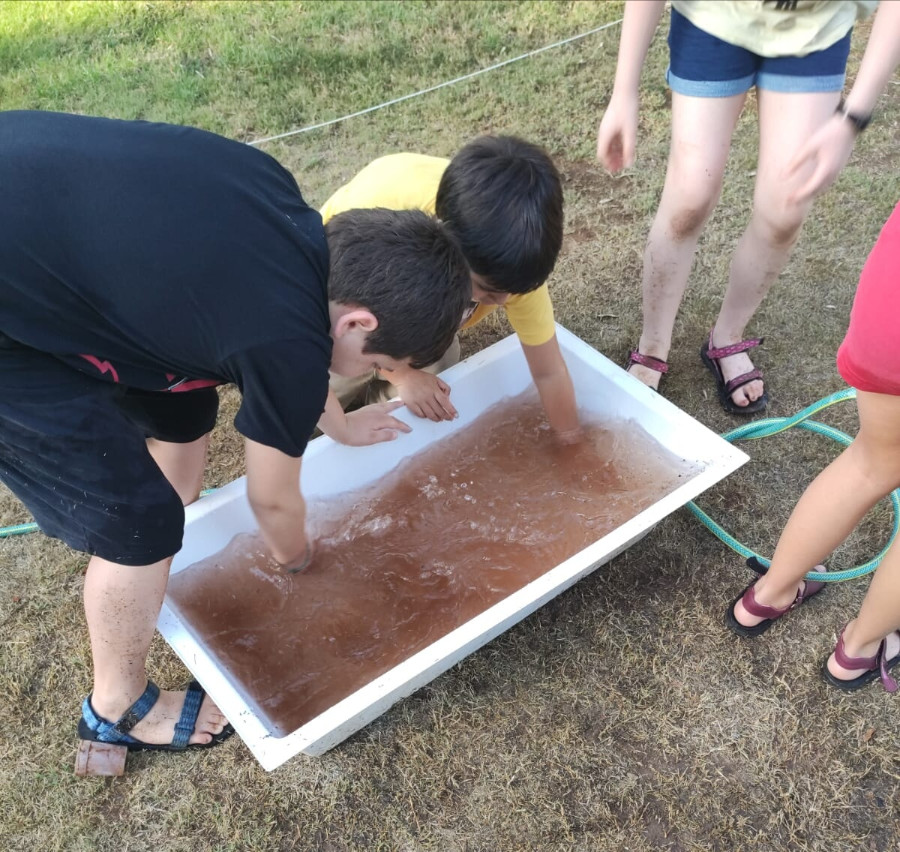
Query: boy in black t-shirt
x=141, y=265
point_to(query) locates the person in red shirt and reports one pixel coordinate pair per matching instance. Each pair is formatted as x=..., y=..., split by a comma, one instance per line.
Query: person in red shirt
x=837, y=500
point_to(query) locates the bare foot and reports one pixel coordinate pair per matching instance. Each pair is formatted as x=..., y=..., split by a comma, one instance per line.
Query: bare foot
x=158, y=726
x=892, y=648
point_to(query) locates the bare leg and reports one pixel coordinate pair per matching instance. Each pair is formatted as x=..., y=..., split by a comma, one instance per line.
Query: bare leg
x=834, y=503
x=122, y=604
x=701, y=138
x=785, y=121
x=182, y=465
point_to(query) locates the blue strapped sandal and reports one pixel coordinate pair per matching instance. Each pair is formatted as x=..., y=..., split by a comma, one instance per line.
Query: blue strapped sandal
x=96, y=729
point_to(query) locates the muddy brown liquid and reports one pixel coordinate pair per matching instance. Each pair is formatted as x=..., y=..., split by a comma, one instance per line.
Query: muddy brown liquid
x=450, y=532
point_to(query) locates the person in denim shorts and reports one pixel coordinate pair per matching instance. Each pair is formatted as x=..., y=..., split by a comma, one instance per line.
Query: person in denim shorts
x=795, y=54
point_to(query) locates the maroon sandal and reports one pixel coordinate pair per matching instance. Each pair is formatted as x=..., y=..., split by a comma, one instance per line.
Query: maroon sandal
x=770, y=614
x=648, y=361
x=876, y=666
x=711, y=355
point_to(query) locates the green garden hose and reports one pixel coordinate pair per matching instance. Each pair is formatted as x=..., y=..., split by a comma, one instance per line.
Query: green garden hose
x=773, y=426
x=18, y=529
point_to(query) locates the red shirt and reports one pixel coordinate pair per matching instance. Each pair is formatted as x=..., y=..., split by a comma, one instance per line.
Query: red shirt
x=869, y=357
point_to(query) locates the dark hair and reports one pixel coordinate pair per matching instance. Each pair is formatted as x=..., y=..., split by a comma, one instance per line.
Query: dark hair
x=501, y=197
x=405, y=268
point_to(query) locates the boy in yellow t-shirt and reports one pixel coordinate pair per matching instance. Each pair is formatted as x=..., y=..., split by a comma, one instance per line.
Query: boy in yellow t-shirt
x=502, y=200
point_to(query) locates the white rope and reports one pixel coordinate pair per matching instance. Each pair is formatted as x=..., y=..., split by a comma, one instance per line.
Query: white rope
x=434, y=88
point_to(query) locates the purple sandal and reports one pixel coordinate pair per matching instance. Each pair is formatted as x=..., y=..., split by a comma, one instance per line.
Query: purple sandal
x=770, y=614
x=711, y=355
x=648, y=361
x=876, y=666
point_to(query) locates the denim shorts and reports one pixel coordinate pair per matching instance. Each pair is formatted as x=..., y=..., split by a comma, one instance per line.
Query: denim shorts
x=703, y=66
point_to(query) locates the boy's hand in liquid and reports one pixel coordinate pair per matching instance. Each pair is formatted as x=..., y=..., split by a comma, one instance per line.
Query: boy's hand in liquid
x=569, y=438
x=424, y=394
x=299, y=563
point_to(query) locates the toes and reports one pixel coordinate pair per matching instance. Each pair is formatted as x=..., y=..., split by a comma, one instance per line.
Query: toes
x=743, y=396
x=214, y=720
x=211, y=711
x=204, y=732
x=210, y=723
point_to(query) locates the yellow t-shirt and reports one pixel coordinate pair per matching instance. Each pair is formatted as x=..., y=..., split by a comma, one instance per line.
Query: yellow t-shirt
x=410, y=182
x=772, y=28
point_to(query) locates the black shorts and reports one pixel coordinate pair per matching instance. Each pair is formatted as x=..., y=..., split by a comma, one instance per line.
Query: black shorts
x=73, y=450
x=179, y=417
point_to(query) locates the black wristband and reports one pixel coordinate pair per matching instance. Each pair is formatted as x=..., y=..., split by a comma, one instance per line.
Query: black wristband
x=859, y=122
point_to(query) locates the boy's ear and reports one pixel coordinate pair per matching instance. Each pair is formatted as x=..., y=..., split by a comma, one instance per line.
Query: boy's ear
x=355, y=319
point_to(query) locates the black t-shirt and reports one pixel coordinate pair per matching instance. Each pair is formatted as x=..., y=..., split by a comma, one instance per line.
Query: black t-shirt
x=166, y=258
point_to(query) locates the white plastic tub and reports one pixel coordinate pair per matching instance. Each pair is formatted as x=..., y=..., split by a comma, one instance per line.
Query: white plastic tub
x=330, y=469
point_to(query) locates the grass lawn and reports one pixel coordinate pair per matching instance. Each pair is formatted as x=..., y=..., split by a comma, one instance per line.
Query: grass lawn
x=620, y=716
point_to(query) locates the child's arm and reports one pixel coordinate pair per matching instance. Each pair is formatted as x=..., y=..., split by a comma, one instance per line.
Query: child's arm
x=829, y=148
x=618, y=128
x=371, y=424
x=273, y=489
x=423, y=393
x=554, y=385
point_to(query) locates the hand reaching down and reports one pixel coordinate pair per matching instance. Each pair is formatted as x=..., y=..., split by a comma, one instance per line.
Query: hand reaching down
x=425, y=395
x=617, y=136
x=818, y=163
